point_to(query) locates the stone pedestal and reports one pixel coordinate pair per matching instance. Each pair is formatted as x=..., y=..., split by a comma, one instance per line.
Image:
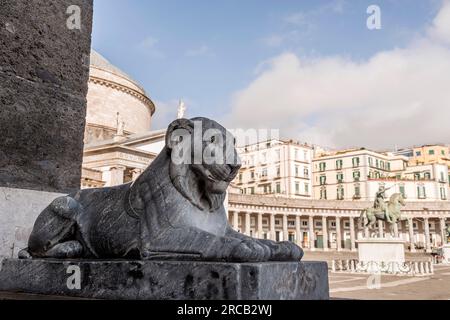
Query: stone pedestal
x=167, y=280
x=382, y=254
x=446, y=253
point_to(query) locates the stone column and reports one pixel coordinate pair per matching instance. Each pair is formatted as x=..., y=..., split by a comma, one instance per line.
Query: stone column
x=411, y=235
x=285, y=228
x=338, y=234
x=44, y=72
x=352, y=234
x=325, y=233
x=272, y=234
x=427, y=235
x=298, y=231
x=380, y=229
x=312, y=246
x=117, y=175
x=396, y=230
x=136, y=173
x=443, y=231
x=248, y=220
x=260, y=226
x=236, y=220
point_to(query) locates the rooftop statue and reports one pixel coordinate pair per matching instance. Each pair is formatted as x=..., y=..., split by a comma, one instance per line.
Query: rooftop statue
x=389, y=211
x=174, y=210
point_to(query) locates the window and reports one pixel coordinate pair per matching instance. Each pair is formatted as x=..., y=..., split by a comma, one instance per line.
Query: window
x=340, y=177
x=357, y=191
x=297, y=169
x=340, y=193
x=418, y=153
x=389, y=166
x=277, y=222
x=322, y=166
x=382, y=165
x=264, y=172
x=240, y=177
x=264, y=157
x=305, y=156
x=356, y=175
x=402, y=191
x=442, y=177
x=323, y=194
x=323, y=180
x=278, y=188
x=377, y=163
x=427, y=176
x=306, y=188
x=443, y=194
x=417, y=176
x=431, y=152
x=318, y=224
x=306, y=173
x=339, y=164
x=278, y=172
x=291, y=223
x=421, y=192
x=252, y=190
x=355, y=162
x=295, y=154
x=252, y=175
x=297, y=188
x=277, y=155
x=304, y=223
x=267, y=188
x=370, y=161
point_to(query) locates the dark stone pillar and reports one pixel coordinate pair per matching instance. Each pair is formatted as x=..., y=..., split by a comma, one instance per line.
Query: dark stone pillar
x=44, y=70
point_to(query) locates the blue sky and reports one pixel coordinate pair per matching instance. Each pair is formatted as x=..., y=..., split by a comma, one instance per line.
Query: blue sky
x=208, y=51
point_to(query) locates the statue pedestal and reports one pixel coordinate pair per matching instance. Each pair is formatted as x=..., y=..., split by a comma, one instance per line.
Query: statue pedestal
x=167, y=280
x=446, y=253
x=382, y=254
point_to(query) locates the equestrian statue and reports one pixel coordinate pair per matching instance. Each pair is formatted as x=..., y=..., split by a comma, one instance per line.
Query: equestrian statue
x=388, y=211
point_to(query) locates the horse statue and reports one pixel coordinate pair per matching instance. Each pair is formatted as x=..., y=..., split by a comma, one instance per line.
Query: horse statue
x=392, y=213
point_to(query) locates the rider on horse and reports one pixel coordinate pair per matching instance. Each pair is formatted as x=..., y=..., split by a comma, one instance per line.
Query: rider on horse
x=380, y=204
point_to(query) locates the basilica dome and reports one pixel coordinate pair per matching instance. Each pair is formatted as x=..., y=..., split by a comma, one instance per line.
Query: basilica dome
x=115, y=102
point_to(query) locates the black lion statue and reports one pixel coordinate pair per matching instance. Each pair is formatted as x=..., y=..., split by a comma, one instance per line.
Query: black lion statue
x=174, y=210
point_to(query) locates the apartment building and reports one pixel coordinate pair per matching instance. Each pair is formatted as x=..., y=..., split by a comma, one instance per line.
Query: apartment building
x=279, y=167
x=357, y=174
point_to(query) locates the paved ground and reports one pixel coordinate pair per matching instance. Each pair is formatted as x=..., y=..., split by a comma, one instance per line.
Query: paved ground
x=348, y=286
x=366, y=287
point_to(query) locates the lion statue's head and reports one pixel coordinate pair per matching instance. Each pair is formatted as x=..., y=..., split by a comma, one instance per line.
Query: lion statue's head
x=203, y=161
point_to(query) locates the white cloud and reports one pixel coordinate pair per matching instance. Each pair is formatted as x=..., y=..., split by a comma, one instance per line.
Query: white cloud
x=166, y=112
x=397, y=97
x=203, y=50
x=149, y=45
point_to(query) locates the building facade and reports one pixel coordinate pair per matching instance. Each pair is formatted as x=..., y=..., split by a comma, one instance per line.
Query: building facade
x=278, y=167
x=332, y=225
x=358, y=174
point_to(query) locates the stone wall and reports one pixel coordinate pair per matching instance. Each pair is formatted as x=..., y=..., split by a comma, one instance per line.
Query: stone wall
x=44, y=69
x=18, y=210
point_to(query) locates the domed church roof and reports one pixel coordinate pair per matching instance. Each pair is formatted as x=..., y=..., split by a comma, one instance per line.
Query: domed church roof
x=100, y=63
x=114, y=101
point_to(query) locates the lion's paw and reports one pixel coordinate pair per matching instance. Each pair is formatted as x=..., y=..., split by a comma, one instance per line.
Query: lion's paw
x=250, y=251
